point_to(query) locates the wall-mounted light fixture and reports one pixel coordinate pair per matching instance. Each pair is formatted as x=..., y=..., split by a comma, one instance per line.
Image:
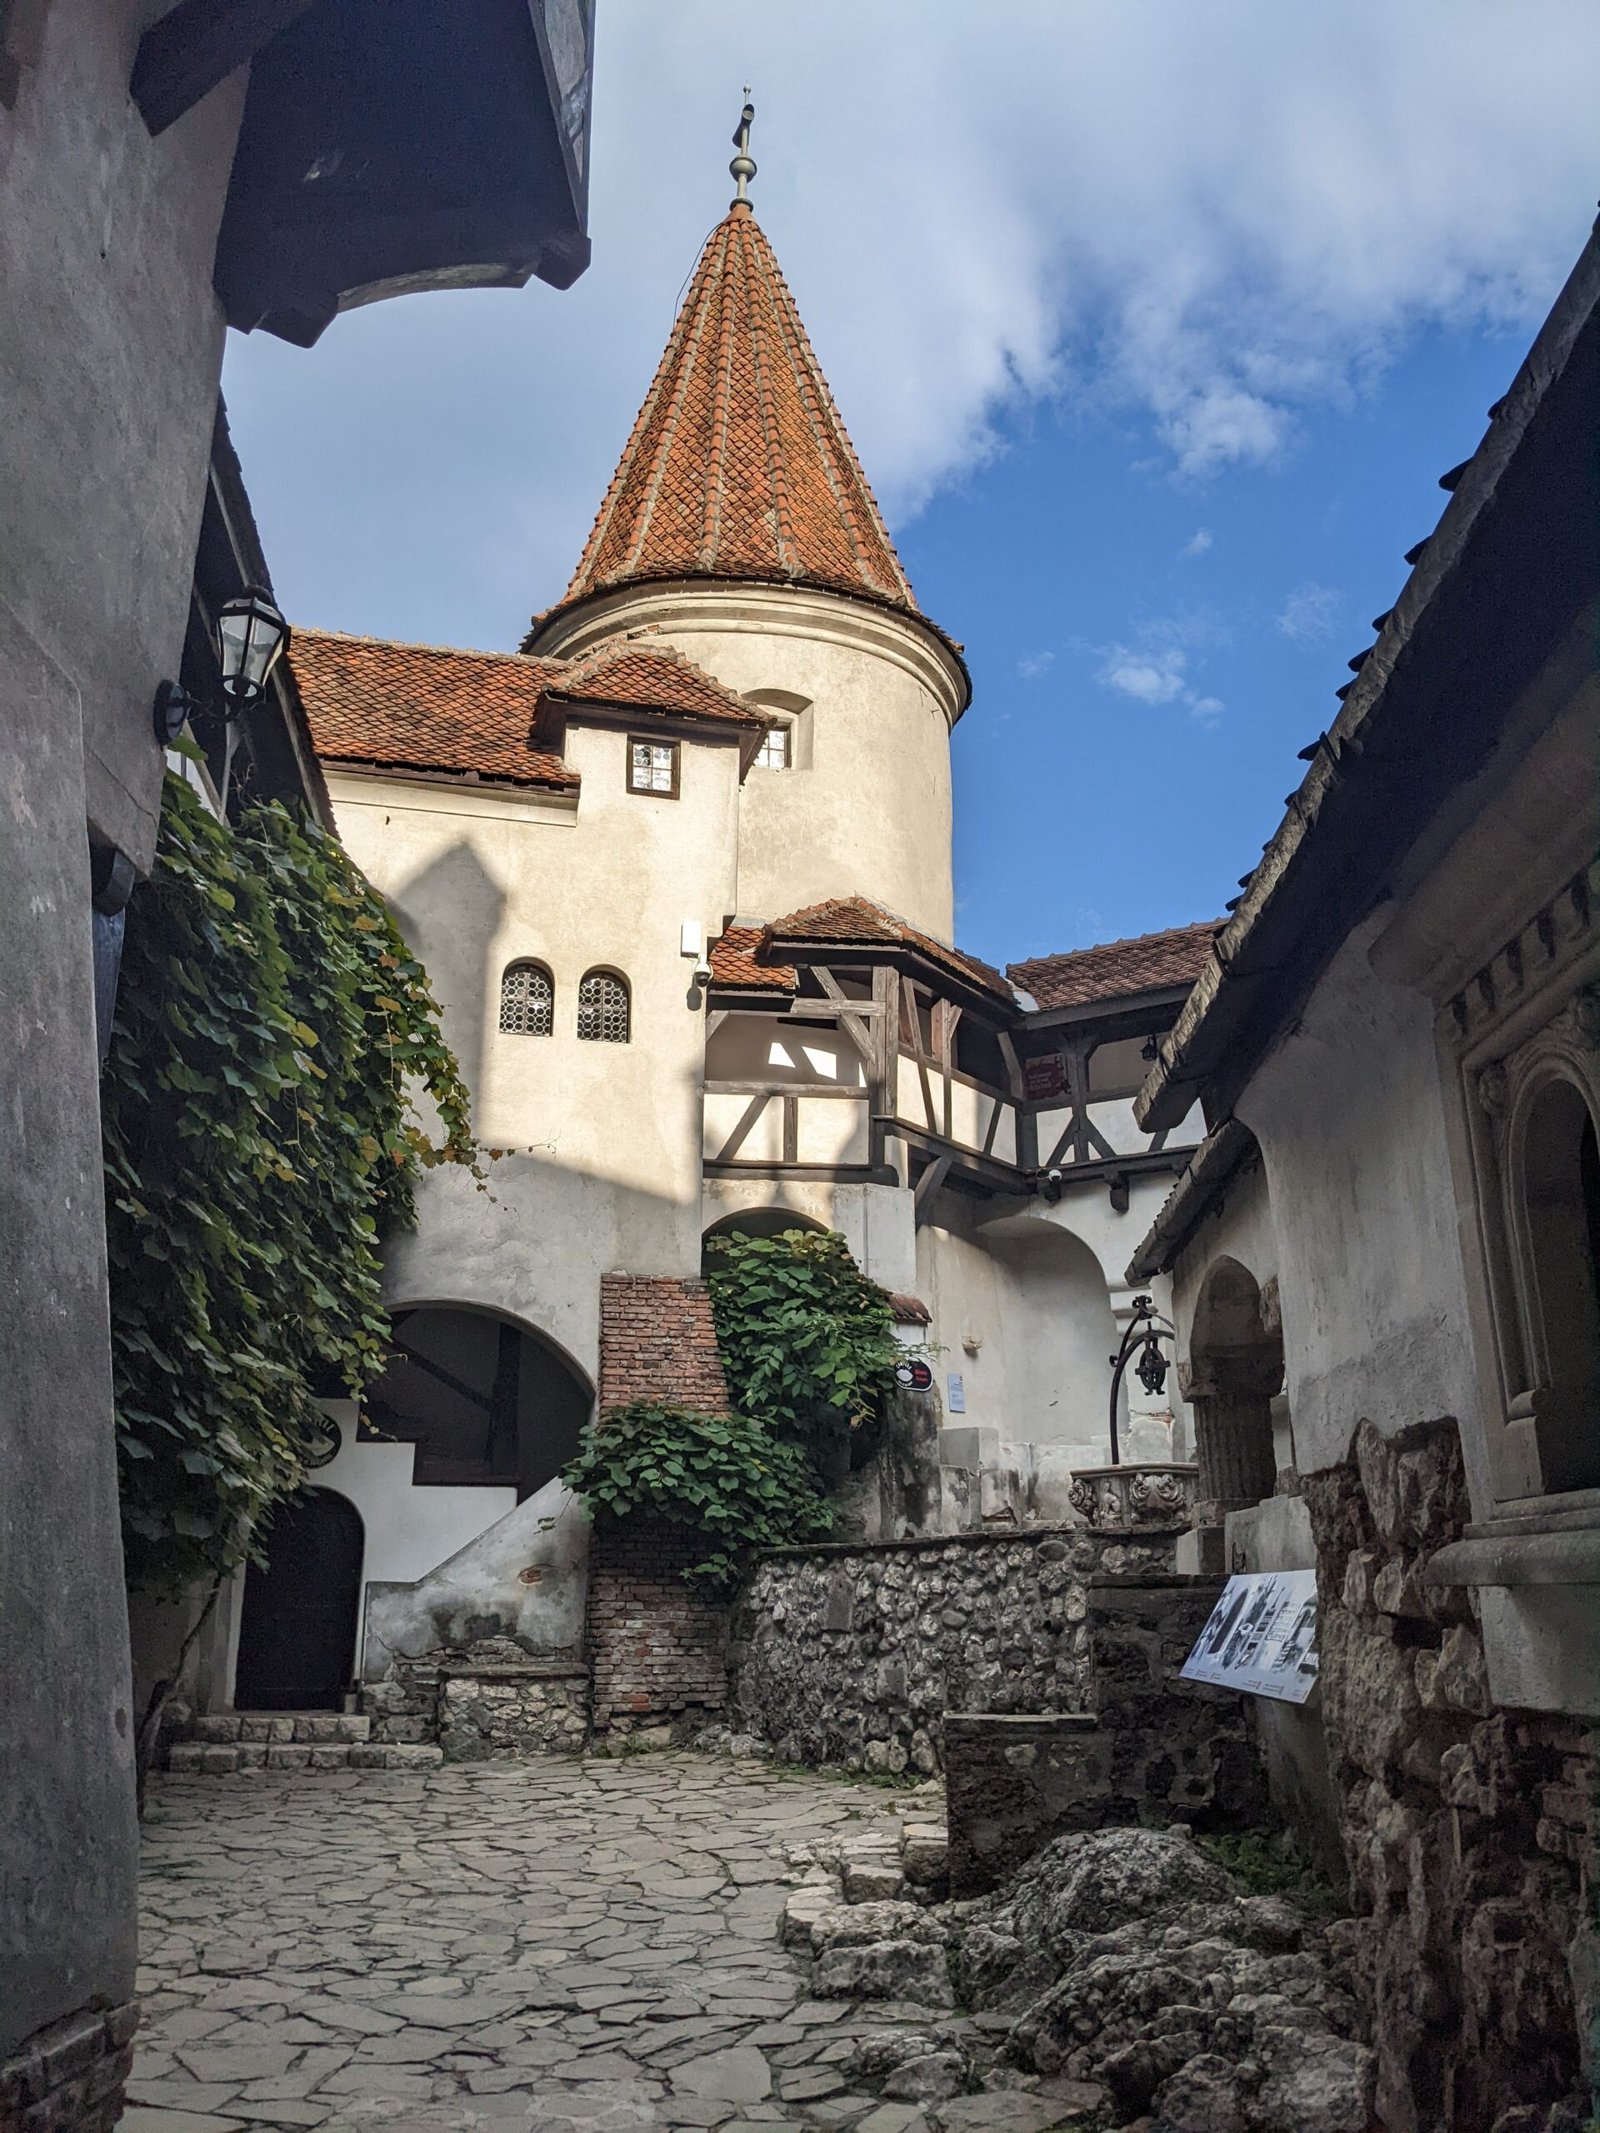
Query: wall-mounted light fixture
x=250, y=635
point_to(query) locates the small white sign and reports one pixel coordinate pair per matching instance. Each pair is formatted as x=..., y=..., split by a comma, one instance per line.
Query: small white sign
x=955, y=1393
x=1262, y=1636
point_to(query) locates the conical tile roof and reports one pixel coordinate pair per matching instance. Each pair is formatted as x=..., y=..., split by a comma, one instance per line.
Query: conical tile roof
x=738, y=465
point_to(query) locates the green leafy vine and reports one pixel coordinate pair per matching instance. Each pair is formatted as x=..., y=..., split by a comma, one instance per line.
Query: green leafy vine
x=729, y=1479
x=260, y=1142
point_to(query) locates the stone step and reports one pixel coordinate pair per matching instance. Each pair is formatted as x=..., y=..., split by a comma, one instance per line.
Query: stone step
x=216, y=1758
x=224, y=1728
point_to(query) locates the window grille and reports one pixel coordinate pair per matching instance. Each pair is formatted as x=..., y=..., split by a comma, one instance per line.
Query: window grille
x=653, y=766
x=527, y=1000
x=773, y=753
x=603, y=1008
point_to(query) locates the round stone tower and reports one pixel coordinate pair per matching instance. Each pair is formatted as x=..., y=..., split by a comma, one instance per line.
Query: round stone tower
x=740, y=526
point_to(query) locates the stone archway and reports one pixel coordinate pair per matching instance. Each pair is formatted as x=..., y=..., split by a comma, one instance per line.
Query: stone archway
x=1235, y=1369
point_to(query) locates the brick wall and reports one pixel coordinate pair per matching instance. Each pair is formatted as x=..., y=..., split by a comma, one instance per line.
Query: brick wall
x=658, y=1648
x=69, y=2078
x=658, y=1343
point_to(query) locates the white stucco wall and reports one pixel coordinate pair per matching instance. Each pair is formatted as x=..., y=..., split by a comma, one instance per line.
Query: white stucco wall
x=867, y=809
x=1348, y=1114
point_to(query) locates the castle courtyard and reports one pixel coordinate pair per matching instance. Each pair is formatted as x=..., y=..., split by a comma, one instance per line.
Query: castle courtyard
x=561, y=1942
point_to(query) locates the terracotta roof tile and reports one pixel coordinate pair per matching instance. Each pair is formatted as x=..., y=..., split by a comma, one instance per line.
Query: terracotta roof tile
x=854, y=918
x=738, y=465
x=1085, y=975
x=433, y=708
x=735, y=967
x=658, y=1343
x=650, y=675
x=910, y=1311
x=424, y=707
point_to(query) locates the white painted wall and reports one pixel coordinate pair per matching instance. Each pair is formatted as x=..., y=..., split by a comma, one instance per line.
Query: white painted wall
x=870, y=813
x=1348, y=1113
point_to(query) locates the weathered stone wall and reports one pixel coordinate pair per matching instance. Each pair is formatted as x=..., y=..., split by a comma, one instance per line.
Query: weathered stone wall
x=69, y=2078
x=1147, y=1748
x=852, y=1655
x=658, y=1648
x=1467, y=1828
x=489, y=1703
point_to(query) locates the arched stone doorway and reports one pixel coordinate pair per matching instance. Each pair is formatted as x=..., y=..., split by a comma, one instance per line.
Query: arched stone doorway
x=1235, y=1369
x=297, y=1627
x=485, y=1401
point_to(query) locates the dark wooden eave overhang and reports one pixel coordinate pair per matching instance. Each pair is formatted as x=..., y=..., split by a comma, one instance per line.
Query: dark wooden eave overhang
x=1512, y=565
x=1218, y=1159
x=565, y=787
x=555, y=711
x=942, y=978
x=387, y=146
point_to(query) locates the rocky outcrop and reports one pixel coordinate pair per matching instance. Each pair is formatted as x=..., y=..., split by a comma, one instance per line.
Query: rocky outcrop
x=1121, y=1975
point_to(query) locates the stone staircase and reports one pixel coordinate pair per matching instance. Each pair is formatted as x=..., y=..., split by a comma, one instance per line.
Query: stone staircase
x=224, y=1741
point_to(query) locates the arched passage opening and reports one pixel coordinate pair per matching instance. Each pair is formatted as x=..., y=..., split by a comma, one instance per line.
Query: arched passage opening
x=757, y=1222
x=297, y=1627
x=1236, y=1366
x=485, y=1401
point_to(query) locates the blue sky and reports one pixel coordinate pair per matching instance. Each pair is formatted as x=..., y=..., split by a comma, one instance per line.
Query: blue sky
x=1154, y=326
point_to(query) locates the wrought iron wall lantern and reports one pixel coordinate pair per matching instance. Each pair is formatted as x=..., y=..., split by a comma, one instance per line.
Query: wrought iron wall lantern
x=250, y=636
x=1146, y=1331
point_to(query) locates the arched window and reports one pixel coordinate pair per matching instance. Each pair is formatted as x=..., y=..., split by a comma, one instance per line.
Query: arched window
x=603, y=1008
x=527, y=1000
x=1560, y=1183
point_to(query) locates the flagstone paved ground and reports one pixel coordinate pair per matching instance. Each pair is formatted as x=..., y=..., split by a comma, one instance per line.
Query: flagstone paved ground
x=558, y=1944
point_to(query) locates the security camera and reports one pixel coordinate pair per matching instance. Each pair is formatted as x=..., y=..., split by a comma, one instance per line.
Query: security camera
x=1053, y=1177
x=702, y=972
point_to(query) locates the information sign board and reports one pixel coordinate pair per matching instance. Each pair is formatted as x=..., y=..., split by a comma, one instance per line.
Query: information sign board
x=1262, y=1636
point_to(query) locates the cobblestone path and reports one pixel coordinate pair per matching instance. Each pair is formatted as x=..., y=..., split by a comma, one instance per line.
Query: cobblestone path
x=551, y=1944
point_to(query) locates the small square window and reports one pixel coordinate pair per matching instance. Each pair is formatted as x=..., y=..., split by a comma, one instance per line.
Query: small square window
x=653, y=767
x=773, y=753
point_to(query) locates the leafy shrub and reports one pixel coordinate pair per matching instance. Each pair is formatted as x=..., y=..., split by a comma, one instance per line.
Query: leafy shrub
x=807, y=1340
x=729, y=1479
x=259, y=1143
x=1272, y=1867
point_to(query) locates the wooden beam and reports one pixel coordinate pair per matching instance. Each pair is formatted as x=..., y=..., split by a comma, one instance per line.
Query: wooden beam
x=995, y=1108
x=850, y=1015
x=845, y=1091
x=909, y=999
x=741, y=1132
x=197, y=44
x=1008, y=1052
x=926, y=1186
x=791, y=1129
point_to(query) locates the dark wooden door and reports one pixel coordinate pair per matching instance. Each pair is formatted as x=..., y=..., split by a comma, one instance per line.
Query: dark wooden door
x=297, y=1634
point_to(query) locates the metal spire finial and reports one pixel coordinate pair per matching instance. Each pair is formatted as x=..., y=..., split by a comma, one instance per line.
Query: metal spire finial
x=742, y=169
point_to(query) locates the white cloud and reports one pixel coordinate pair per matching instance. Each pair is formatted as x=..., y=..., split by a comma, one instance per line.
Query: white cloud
x=1036, y=665
x=1200, y=542
x=1309, y=612
x=1213, y=218
x=1156, y=669
x=1148, y=677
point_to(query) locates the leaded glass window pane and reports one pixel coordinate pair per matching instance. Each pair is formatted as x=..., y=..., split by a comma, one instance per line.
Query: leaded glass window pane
x=527, y=1000
x=774, y=750
x=603, y=1008
x=652, y=766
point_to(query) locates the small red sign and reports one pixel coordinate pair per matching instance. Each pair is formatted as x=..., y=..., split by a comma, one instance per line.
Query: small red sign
x=1044, y=1076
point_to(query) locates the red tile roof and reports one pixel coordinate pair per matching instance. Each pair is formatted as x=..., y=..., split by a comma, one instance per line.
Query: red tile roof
x=910, y=1311
x=650, y=676
x=1086, y=975
x=735, y=964
x=658, y=1343
x=738, y=465
x=853, y=919
x=424, y=707
x=433, y=708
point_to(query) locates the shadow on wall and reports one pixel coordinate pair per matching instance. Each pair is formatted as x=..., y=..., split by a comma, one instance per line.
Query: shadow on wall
x=464, y=907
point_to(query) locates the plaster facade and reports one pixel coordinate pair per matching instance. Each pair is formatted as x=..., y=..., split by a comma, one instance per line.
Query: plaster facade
x=110, y=342
x=866, y=809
